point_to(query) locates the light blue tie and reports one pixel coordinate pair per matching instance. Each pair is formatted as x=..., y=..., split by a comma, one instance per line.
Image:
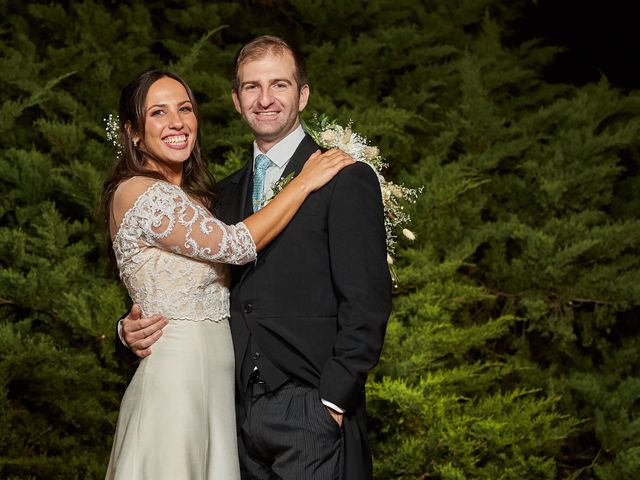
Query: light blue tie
x=262, y=164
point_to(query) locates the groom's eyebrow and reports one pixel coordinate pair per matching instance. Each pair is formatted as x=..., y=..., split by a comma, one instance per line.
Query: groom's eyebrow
x=271, y=82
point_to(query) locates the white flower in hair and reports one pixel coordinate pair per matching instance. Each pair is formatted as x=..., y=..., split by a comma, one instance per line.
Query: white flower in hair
x=112, y=127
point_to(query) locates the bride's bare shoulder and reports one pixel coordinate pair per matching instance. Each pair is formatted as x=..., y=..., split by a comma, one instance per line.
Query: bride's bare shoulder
x=133, y=188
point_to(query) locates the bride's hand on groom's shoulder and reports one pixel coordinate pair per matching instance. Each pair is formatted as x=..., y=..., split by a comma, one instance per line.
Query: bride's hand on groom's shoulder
x=322, y=167
x=140, y=333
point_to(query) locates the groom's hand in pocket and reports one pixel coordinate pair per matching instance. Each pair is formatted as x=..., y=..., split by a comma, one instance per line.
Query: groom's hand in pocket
x=140, y=333
x=337, y=416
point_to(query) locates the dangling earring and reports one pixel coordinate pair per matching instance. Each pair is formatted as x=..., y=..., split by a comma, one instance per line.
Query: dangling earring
x=135, y=144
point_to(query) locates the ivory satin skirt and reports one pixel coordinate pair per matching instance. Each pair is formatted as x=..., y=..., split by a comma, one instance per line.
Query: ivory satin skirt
x=177, y=417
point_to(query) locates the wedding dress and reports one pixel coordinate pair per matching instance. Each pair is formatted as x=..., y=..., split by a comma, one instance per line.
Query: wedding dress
x=177, y=417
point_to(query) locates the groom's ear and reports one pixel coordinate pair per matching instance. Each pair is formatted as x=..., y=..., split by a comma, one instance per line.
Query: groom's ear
x=304, y=97
x=236, y=100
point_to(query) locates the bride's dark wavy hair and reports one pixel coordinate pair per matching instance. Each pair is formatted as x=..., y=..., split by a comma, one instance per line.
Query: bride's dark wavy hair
x=197, y=181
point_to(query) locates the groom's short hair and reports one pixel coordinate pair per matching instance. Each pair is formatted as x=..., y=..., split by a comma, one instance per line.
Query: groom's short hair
x=264, y=45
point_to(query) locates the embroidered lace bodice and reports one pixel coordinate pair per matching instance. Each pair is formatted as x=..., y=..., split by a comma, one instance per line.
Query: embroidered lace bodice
x=171, y=252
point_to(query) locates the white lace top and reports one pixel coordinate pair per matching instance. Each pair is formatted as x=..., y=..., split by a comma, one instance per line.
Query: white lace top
x=170, y=251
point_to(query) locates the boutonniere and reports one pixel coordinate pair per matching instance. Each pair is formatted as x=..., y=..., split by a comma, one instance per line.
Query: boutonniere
x=329, y=134
x=281, y=183
x=277, y=187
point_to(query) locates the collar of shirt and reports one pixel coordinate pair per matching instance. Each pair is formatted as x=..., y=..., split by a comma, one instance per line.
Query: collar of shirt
x=282, y=151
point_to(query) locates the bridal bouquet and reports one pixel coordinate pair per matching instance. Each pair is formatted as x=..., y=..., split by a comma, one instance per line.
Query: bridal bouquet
x=329, y=134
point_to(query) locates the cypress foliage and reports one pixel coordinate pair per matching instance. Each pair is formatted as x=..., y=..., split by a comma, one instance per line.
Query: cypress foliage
x=522, y=286
x=512, y=350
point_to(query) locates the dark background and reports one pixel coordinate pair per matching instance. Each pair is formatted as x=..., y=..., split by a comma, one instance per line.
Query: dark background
x=601, y=39
x=513, y=350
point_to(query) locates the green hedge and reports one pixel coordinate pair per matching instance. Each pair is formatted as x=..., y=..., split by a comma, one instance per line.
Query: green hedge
x=513, y=347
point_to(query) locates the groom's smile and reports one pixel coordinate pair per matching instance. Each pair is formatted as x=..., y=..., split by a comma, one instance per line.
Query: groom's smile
x=268, y=97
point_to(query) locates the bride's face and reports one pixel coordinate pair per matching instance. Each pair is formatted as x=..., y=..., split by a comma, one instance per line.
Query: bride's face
x=170, y=126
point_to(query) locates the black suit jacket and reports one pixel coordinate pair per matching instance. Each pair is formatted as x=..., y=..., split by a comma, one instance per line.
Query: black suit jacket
x=317, y=300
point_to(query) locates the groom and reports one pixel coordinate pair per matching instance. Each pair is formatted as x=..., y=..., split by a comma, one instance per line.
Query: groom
x=308, y=318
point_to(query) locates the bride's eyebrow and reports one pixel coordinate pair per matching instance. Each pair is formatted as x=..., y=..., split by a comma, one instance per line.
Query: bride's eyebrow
x=164, y=105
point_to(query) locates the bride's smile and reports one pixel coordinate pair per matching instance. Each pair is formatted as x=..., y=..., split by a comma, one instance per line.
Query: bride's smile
x=170, y=128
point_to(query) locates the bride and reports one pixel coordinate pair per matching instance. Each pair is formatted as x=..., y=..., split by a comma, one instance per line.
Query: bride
x=170, y=252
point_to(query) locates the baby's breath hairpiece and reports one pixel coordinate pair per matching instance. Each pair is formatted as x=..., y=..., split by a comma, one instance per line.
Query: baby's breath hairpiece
x=112, y=127
x=329, y=134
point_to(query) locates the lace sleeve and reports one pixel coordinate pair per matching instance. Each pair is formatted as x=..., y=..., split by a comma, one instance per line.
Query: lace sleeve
x=169, y=219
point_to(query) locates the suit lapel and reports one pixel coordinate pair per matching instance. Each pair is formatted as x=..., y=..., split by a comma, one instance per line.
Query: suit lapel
x=236, y=201
x=300, y=156
x=303, y=152
x=246, y=189
x=242, y=204
x=243, y=209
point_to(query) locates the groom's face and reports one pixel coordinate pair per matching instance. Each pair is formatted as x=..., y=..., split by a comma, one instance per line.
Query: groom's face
x=268, y=97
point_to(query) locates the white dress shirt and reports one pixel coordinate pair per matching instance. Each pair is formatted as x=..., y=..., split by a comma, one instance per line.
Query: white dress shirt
x=279, y=155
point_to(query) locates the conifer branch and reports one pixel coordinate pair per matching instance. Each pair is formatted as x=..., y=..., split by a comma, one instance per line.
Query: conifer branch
x=12, y=109
x=187, y=62
x=588, y=300
x=52, y=314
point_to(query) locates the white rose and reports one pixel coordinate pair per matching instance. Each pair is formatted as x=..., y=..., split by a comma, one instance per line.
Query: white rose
x=371, y=152
x=328, y=136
